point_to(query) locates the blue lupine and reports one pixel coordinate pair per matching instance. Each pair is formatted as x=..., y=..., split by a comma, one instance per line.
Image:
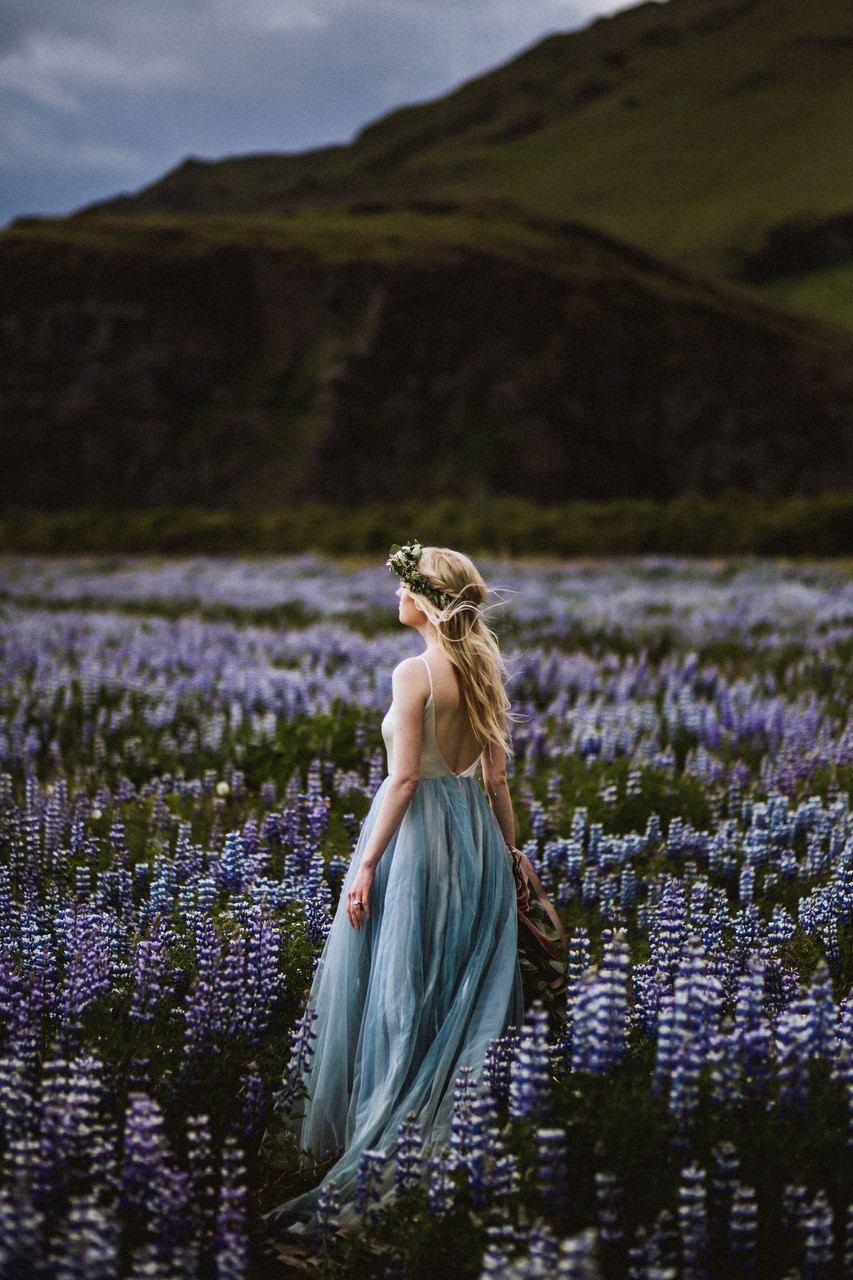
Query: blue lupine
x=693, y=1222
x=497, y=1066
x=89, y=1247
x=441, y=1190
x=575, y=1257
x=151, y=979
x=819, y=1239
x=408, y=1169
x=552, y=1167
x=302, y=1039
x=495, y=1265
x=541, y=1252
x=78, y=919
x=327, y=1214
x=609, y=1202
x=476, y=1144
x=201, y=1178
x=231, y=1251
x=723, y=1183
x=370, y=1167
x=529, y=1083
x=743, y=1223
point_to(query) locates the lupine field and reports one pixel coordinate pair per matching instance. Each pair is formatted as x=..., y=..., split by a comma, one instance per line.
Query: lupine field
x=187, y=749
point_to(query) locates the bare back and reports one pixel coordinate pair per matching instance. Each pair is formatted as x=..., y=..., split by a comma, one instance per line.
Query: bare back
x=454, y=736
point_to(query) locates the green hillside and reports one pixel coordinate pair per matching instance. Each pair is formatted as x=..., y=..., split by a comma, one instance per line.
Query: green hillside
x=690, y=127
x=584, y=276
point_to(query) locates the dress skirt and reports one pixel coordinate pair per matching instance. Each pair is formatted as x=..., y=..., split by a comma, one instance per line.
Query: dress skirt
x=415, y=994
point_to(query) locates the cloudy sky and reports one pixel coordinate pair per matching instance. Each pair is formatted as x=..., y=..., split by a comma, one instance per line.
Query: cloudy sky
x=102, y=96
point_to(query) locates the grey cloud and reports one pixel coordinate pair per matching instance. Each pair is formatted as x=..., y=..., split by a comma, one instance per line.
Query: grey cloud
x=107, y=95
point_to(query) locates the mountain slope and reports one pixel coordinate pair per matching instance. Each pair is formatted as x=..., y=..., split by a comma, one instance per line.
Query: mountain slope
x=690, y=127
x=382, y=355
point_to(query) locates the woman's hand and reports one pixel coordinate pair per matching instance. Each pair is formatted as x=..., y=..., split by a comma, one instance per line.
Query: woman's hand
x=359, y=893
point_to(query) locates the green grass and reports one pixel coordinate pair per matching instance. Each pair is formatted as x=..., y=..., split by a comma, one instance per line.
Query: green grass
x=826, y=294
x=734, y=524
x=689, y=127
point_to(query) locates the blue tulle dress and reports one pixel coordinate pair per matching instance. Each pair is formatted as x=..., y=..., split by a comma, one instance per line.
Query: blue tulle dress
x=420, y=989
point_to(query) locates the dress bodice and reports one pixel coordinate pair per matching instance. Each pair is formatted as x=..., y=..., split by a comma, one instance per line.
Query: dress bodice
x=433, y=763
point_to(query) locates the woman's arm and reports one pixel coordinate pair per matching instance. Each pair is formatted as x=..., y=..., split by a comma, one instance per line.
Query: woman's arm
x=493, y=761
x=410, y=690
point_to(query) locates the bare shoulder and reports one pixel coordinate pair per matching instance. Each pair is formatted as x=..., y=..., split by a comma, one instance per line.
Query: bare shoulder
x=410, y=676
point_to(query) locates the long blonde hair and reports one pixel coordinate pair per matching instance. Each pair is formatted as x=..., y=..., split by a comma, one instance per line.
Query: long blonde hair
x=466, y=640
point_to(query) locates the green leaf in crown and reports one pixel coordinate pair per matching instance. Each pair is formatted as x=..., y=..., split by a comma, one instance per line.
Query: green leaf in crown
x=403, y=561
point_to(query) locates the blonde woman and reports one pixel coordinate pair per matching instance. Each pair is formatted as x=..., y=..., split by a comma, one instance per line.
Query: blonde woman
x=420, y=967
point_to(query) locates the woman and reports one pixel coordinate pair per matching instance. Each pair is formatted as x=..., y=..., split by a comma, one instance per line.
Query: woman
x=420, y=968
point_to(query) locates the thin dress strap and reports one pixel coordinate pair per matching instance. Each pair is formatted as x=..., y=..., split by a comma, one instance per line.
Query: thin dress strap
x=429, y=673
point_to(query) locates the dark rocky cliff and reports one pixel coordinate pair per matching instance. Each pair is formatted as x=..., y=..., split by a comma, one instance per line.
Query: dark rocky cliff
x=254, y=375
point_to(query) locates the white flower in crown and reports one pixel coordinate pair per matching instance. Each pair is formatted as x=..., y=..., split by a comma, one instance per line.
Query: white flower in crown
x=404, y=561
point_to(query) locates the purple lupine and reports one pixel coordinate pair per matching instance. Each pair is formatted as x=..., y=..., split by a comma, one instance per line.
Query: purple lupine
x=151, y=979
x=369, y=1188
x=529, y=1074
x=686, y=1019
x=614, y=978
x=475, y=1144
x=76, y=1145
x=292, y=1086
x=497, y=1066
x=819, y=1238
x=441, y=1191
x=693, y=1222
x=88, y=973
x=575, y=1260
x=743, y=1224
x=88, y=1245
x=154, y=1192
x=408, y=1169
x=609, y=1202
x=668, y=928
x=541, y=1251
x=552, y=1167
x=22, y=1225
x=260, y=986
x=752, y=1037
x=495, y=1265
x=231, y=867
x=327, y=1214
x=723, y=1182
x=231, y=1246
x=201, y=1179
x=201, y=1011
x=586, y=1010
x=579, y=959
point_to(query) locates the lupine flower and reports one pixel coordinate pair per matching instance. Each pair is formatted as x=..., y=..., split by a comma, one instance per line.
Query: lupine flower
x=409, y=1156
x=328, y=1210
x=301, y=1053
x=552, y=1167
x=231, y=1246
x=609, y=1199
x=370, y=1167
x=441, y=1190
x=576, y=1258
x=818, y=1243
x=497, y=1066
x=529, y=1087
x=743, y=1223
x=693, y=1221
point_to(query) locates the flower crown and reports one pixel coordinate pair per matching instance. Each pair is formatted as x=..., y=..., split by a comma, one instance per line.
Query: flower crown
x=403, y=561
